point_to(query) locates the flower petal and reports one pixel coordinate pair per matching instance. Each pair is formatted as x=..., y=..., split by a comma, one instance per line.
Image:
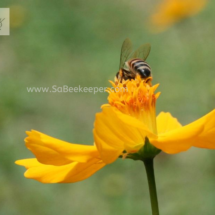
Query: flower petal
x=115, y=132
x=200, y=133
x=49, y=150
x=165, y=123
x=68, y=173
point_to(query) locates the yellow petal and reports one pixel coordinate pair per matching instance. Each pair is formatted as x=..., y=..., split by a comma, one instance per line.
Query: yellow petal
x=68, y=173
x=200, y=133
x=49, y=150
x=165, y=123
x=108, y=153
x=206, y=139
x=28, y=163
x=115, y=132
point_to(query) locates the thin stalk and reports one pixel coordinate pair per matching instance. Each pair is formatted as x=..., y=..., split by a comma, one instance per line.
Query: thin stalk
x=152, y=186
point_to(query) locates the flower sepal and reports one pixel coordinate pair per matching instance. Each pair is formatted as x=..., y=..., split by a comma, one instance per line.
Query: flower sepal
x=148, y=151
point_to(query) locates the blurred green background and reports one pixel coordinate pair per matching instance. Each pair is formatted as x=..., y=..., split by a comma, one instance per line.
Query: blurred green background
x=76, y=42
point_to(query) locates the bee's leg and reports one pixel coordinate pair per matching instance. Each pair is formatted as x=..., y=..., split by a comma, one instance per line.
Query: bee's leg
x=120, y=76
x=116, y=79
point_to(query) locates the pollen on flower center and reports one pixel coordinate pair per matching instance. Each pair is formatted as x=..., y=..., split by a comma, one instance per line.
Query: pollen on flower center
x=135, y=97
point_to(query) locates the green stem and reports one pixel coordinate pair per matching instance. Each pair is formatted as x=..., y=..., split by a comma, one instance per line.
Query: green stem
x=152, y=186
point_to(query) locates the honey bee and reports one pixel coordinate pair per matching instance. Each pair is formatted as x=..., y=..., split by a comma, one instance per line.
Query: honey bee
x=133, y=63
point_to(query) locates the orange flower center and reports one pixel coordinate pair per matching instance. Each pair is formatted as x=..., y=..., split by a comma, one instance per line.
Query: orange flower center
x=136, y=98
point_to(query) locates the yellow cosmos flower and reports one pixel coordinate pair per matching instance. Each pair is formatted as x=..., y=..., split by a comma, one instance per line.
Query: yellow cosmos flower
x=127, y=127
x=171, y=11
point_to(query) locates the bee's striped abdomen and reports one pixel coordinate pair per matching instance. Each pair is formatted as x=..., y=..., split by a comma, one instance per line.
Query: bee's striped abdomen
x=140, y=67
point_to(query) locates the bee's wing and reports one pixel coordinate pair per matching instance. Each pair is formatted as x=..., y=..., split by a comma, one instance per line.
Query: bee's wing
x=142, y=52
x=125, y=52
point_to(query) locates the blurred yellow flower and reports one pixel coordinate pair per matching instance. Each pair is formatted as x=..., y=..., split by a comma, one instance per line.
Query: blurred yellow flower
x=122, y=129
x=17, y=16
x=169, y=12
